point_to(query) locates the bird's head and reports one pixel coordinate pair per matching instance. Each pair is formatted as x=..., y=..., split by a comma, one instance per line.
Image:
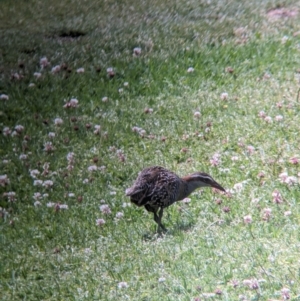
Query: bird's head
x=202, y=179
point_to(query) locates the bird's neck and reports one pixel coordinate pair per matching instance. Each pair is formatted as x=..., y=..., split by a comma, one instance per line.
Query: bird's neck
x=187, y=186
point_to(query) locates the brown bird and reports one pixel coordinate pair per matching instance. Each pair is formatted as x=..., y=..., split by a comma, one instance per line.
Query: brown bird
x=157, y=188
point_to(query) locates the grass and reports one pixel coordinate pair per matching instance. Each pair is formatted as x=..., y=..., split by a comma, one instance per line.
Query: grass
x=209, y=252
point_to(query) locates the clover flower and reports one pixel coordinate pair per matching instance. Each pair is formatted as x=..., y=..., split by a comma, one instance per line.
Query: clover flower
x=6, y=131
x=105, y=209
x=267, y=214
x=80, y=70
x=4, y=97
x=44, y=62
x=11, y=196
x=4, y=180
x=215, y=160
x=92, y=168
x=119, y=215
x=137, y=51
x=58, y=121
x=122, y=284
x=37, y=75
x=224, y=96
x=34, y=173
x=55, y=69
x=247, y=219
x=48, y=183
x=197, y=114
x=100, y=221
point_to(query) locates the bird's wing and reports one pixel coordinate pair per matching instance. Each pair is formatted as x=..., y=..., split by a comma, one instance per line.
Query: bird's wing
x=142, y=189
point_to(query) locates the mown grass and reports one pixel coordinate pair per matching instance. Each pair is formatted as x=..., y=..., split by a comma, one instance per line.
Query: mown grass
x=48, y=253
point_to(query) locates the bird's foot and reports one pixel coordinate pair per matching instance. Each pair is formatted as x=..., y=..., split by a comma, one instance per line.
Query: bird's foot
x=161, y=229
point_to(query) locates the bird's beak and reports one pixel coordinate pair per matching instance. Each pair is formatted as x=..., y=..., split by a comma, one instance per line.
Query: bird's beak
x=218, y=186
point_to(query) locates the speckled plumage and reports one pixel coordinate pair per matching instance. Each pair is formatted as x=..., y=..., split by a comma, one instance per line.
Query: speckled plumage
x=157, y=188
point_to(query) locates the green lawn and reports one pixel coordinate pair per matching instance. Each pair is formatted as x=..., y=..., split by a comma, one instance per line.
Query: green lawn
x=91, y=92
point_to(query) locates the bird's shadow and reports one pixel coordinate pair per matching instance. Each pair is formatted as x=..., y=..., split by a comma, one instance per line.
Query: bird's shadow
x=171, y=231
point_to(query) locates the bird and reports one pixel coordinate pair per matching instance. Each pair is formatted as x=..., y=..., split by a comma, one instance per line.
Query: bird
x=157, y=188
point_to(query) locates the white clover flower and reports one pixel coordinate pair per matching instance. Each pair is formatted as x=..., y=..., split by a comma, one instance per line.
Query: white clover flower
x=48, y=147
x=55, y=69
x=37, y=203
x=110, y=72
x=73, y=102
x=119, y=215
x=34, y=173
x=224, y=96
x=186, y=200
x=63, y=206
x=197, y=114
x=250, y=149
x=37, y=183
x=215, y=160
x=161, y=279
x=122, y=285
x=23, y=157
x=44, y=62
x=100, y=221
x=105, y=209
x=279, y=118
x=37, y=196
x=71, y=195
x=268, y=119
x=92, y=168
x=190, y=70
x=137, y=51
x=287, y=213
x=37, y=75
x=267, y=214
x=19, y=128
x=97, y=129
x=238, y=187
x=80, y=70
x=70, y=156
x=51, y=134
x=291, y=180
x=14, y=133
x=285, y=293
x=11, y=196
x=6, y=131
x=262, y=114
x=58, y=121
x=247, y=219
x=4, y=97
x=4, y=180
x=88, y=251
x=105, y=99
x=48, y=183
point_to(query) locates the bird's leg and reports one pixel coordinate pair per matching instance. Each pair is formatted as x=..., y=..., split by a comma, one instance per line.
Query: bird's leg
x=158, y=218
